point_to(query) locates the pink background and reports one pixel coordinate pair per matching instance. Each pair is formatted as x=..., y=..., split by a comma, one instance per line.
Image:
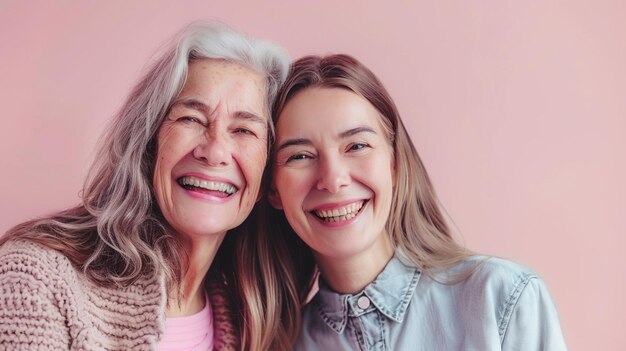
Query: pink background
x=517, y=107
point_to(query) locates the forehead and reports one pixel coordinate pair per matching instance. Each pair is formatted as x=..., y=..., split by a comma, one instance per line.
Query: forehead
x=219, y=67
x=212, y=79
x=327, y=111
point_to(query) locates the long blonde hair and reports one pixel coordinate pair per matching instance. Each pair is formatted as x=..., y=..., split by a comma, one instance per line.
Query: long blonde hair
x=118, y=234
x=416, y=223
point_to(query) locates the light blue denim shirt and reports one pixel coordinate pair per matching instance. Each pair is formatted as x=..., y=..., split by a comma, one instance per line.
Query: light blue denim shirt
x=501, y=306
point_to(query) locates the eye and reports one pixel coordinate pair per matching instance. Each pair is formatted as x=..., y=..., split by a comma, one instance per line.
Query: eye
x=244, y=131
x=298, y=157
x=189, y=119
x=357, y=146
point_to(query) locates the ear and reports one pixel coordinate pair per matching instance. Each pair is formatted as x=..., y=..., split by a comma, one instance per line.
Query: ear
x=274, y=198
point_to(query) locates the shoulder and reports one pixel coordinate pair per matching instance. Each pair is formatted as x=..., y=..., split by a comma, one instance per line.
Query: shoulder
x=490, y=266
x=523, y=308
x=494, y=273
x=490, y=281
x=33, y=273
x=33, y=287
x=516, y=298
x=31, y=268
x=22, y=258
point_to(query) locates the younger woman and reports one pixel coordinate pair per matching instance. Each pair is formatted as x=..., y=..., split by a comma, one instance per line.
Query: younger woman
x=355, y=191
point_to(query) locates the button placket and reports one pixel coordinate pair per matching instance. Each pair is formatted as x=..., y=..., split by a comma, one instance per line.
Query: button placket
x=367, y=323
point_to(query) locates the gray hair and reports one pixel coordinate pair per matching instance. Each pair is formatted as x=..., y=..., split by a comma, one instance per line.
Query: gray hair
x=118, y=233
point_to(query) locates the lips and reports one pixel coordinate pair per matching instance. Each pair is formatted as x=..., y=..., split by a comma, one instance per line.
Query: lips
x=207, y=186
x=339, y=214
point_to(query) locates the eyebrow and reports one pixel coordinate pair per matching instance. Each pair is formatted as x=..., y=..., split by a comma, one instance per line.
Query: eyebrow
x=293, y=142
x=342, y=135
x=206, y=110
x=193, y=104
x=249, y=116
x=357, y=130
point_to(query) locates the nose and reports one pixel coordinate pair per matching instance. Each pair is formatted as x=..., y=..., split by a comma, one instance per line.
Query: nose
x=215, y=149
x=334, y=174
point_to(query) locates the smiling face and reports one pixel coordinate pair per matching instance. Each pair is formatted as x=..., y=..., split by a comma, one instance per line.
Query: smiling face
x=333, y=174
x=212, y=148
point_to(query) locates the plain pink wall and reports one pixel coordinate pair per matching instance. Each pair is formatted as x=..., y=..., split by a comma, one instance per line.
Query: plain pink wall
x=517, y=107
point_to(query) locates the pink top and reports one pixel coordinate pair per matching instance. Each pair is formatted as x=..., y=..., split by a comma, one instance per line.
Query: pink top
x=189, y=333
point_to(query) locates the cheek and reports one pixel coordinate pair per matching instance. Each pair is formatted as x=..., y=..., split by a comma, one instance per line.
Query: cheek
x=252, y=163
x=293, y=188
x=172, y=147
x=160, y=178
x=386, y=183
x=167, y=156
x=379, y=173
x=163, y=160
x=169, y=144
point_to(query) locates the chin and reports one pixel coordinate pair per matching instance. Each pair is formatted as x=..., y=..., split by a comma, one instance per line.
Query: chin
x=200, y=231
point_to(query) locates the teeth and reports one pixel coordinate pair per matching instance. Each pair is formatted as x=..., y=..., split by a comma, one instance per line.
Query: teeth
x=208, y=185
x=342, y=213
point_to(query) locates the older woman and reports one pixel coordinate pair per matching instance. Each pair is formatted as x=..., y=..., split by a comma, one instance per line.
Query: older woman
x=136, y=265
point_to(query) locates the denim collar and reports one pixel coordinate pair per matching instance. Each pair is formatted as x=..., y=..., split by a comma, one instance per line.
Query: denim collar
x=390, y=294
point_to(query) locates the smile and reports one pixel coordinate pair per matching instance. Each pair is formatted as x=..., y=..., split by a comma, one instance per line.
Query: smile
x=340, y=214
x=195, y=184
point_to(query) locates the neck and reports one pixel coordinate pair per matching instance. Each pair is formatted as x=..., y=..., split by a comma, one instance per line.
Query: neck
x=188, y=296
x=350, y=275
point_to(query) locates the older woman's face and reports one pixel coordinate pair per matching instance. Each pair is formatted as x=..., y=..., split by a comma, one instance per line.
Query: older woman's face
x=212, y=148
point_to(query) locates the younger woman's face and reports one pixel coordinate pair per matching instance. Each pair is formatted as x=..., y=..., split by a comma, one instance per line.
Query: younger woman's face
x=333, y=174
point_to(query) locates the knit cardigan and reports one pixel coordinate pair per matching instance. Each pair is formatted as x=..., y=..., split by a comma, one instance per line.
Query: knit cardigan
x=47, y=304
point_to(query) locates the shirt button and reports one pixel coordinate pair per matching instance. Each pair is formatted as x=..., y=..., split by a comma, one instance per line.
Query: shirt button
x=363, y=302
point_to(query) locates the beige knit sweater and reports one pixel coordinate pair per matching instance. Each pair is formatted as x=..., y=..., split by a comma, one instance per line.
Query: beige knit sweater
x=46, y=304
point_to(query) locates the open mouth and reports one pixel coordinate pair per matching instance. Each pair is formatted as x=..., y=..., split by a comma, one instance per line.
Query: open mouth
x=208, y=187
x=342, y=213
